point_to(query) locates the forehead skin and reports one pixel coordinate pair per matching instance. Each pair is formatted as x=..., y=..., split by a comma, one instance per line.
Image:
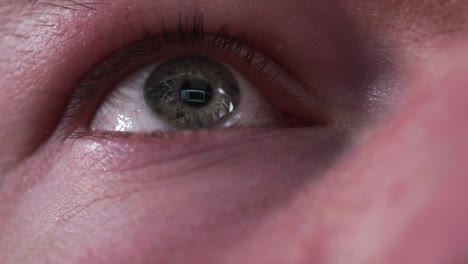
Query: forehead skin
x=413, y=19
x=433, y=16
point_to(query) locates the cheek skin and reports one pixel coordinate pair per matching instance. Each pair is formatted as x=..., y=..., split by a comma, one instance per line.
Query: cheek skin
x=400, y=197
x=397, y=198
x=196, y=200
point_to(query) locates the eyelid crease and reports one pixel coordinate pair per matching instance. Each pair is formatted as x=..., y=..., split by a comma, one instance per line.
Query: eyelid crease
x=186, y=34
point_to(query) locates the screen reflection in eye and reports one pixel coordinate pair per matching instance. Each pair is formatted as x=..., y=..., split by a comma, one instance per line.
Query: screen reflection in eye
x=193, y=96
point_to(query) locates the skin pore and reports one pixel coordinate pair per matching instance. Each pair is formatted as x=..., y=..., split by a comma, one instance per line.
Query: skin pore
x=379, y=177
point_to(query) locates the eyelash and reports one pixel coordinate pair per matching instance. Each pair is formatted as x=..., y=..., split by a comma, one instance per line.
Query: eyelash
x=222, y=41
x=186, y=35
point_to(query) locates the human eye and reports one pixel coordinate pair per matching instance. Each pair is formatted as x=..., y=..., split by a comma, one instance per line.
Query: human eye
x=180, y=93
x=188, y=79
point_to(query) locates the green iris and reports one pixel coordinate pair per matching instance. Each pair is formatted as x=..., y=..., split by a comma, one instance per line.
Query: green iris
x=191, y=92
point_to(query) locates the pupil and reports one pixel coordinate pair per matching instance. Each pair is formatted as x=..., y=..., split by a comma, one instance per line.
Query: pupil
x=196, y=92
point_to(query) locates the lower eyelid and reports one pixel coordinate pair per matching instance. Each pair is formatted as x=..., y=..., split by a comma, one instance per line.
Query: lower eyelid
x=135, y=151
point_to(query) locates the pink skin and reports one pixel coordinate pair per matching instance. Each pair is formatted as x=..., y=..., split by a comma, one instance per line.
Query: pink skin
x=384, y=182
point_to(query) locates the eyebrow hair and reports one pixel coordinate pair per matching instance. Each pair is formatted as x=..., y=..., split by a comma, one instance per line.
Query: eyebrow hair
x=13, y=12
x=61, y=4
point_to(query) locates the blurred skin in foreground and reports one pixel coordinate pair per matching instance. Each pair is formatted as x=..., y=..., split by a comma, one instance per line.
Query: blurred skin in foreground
x=373, y=171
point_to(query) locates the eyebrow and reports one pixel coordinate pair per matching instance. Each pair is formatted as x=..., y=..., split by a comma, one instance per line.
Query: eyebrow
x=14, y=12
x=60, y=4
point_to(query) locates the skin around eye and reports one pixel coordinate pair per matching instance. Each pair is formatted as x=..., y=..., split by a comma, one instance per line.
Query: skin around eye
x=157, y=98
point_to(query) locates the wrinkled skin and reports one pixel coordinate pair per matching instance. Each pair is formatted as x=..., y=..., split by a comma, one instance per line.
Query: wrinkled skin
x=381, y=181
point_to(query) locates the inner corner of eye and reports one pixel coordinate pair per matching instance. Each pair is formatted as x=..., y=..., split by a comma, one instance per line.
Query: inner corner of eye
x=182, y=93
